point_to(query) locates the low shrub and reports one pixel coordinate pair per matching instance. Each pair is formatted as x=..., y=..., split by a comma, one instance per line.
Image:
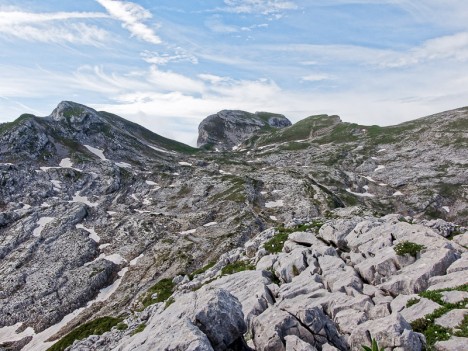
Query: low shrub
x=237, y=266
x=407, y=247
x=96, y=327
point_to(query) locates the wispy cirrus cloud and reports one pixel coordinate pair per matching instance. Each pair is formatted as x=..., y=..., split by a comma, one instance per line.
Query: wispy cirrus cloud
x=162, y=59
x=265, y=7
x=20, y=17
x=54, y=27
x=132, y=17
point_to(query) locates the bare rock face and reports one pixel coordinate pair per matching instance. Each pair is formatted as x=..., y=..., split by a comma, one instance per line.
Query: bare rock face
x=227, y=129
x=209, y=319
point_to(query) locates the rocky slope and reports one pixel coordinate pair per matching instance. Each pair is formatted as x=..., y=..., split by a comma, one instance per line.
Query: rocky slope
x=102, y=218
x=227, y=129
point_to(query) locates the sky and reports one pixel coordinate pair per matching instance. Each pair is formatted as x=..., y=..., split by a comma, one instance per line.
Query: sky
x=167, y=64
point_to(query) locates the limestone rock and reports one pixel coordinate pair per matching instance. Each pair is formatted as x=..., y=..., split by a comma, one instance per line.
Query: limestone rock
x=453, y=344
x=390, y=332
x=293, y=343
x=209, y=319
x=227, y=129
x=452, y=319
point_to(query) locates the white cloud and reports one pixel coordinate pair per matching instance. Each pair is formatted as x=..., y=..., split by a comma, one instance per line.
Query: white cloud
x=132, y=17
x=265, y=7
x=317, y=77
x=74, y=33
x=159, y=59
x=215, y=24
x=451, y=47
x=43, y=27
x=8, y=18
x=446, y=48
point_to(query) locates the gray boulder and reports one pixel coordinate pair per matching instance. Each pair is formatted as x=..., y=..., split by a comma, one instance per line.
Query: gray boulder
x=391, y=332
x=209, y=319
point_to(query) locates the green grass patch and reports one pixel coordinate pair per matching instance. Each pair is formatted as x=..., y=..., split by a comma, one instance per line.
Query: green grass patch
x=69, y=112
x=407, y=247
x=294, y=146
x=96, y=327
x=121, y=326
x=139, y=329
x=169, y=302
x=412, y=302
x=238, y=266
x=4, y=127
x=201, y=270
x=463, y=328
x=163, y=290
x=427, y=326
x=275, y=244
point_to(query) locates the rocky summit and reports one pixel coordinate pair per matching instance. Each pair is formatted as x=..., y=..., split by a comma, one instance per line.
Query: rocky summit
x=321, y=235
x=225, y=130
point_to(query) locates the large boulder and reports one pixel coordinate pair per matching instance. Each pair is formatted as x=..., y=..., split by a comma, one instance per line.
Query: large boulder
x=391, y=332
x=206, y=320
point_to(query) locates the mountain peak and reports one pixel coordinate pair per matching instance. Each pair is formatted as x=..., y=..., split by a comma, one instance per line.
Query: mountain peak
x=228, y=128
x=72, y=112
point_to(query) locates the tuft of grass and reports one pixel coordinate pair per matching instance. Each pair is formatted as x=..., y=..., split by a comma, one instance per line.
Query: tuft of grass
x=122, y=326
x=412, y=302
x=238, y=266
x=201, y=270
x=96, y=327
x=407, y=247
x=463, y=328
x=139, y=329
x=374, y=346
x=164, y=289
x=169, y=302
x=274, y=278
x=275, y=244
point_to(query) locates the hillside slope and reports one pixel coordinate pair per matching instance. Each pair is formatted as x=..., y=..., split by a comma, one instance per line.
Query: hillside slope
x=103, y=221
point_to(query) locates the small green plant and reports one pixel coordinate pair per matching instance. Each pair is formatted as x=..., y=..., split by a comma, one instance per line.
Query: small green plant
x=463, y=328
x=202, y=270
x=169, y=302
x=295, y=270
x=96, y=327
x=412, y=302
x=163, y=290
x=407, y=247
x=139, y=329
x=374, y=346
x=274, y=278
x=276, y=243
x=122, y=326
x=238, y=266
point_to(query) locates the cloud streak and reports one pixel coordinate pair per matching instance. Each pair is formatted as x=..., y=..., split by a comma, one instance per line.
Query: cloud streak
x=264, y=7
x=53, y=27
x=132, y=17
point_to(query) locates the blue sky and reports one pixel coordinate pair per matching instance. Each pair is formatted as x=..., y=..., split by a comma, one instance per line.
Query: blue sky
x=167, y=64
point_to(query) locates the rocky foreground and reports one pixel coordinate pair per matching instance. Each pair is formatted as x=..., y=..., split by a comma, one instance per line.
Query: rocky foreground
x=318, y=235
x=332, y=287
